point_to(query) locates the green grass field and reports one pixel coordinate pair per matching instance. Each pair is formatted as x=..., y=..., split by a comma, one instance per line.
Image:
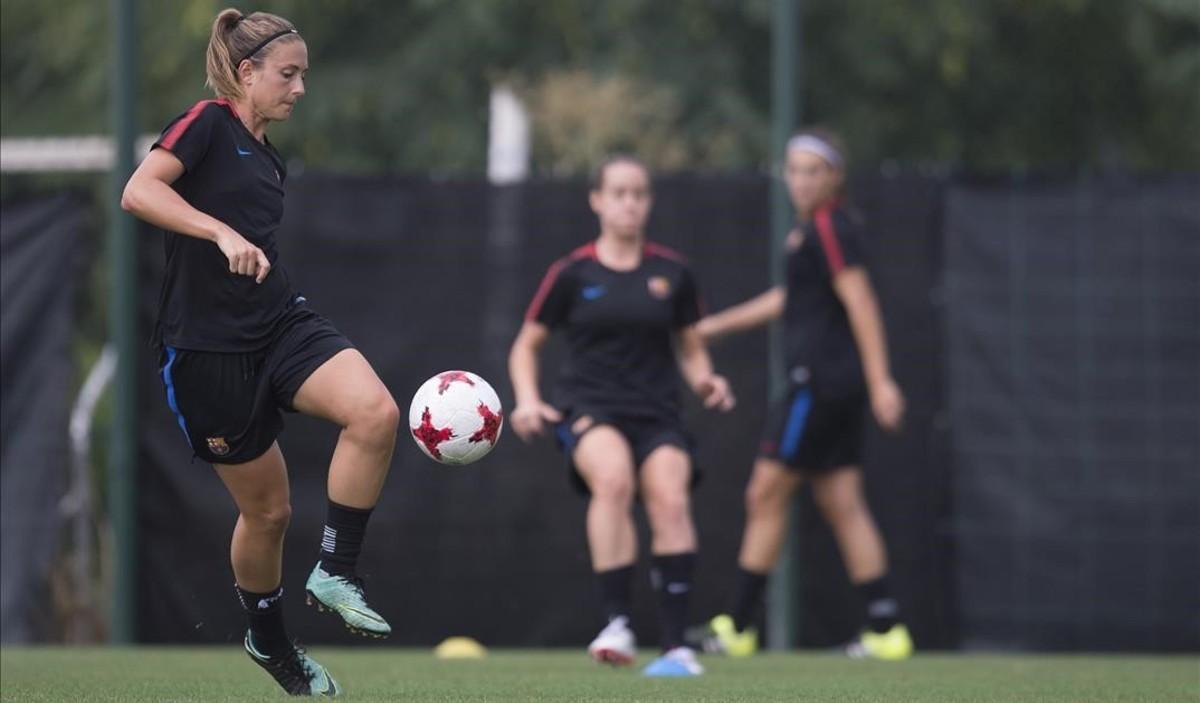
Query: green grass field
x=168, y=674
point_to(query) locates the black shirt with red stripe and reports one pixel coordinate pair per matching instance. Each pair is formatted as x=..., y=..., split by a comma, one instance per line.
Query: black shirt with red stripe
x=618, y=327
x=238, y=180
x=819, y=345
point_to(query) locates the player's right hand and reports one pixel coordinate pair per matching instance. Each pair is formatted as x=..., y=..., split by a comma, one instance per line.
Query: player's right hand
x=245, y=259
x=528, y=420
x=716, y=393
x=887, y=403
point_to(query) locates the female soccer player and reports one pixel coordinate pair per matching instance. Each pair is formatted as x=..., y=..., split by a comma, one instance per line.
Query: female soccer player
x=239, y=345
x=836, y=355
x=628, y=308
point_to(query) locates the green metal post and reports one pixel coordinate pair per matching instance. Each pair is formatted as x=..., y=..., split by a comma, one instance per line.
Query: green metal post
x=122, y=258
x=783, y=614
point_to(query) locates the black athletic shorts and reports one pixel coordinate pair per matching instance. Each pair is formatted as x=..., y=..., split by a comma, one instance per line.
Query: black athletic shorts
x=808, y=432
x=229, y=404
x=644, y=434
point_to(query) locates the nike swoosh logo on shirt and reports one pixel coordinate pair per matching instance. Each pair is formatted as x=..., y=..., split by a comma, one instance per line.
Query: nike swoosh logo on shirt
x=242, y=152
x=593, y=292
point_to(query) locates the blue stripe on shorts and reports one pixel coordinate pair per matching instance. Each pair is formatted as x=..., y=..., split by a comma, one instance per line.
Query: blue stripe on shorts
x=166, y=374
x=793, y=431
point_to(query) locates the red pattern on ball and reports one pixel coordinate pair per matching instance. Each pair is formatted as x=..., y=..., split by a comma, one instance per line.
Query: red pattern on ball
x=444, y=380
x=491, y=425
x=431, y=436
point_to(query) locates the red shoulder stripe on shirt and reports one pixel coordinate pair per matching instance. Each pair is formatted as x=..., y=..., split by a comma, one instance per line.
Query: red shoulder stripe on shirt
x=587, y=251
x=829, y=241
x=225, y=103
x=177, y=129
x=653, y=249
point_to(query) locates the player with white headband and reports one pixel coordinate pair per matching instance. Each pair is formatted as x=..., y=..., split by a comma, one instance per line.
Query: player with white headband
x=835, y=349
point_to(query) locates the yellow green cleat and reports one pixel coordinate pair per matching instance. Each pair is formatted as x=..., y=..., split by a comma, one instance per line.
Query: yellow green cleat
x=893, y=645
x=725, y=638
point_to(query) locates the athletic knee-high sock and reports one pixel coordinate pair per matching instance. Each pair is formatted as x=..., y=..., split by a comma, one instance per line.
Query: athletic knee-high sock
x=671, y=576
x=615, y=589
x=883, y=612
x=748, y=597
x=265, y=616
x=343, y=537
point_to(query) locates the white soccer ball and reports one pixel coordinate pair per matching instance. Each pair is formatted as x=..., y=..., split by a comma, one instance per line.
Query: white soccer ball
x=455, y=417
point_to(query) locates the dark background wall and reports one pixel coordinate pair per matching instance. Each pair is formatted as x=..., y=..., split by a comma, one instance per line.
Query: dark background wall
x=42, y=251
x=1073, y=343
x=426, y=276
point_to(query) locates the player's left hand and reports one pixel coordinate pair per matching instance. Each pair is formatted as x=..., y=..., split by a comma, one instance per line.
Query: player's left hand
x=887, y=403
x=715, y=393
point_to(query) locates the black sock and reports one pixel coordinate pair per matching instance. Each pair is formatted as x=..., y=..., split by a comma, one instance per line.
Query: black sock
x=882, y=610
x=343, y=537
x=671, y=576
x=265, y=615
x=750, y=587
x=615, y=588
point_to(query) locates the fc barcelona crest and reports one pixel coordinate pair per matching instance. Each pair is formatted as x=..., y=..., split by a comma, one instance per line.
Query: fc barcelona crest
x=218, y=446
x=660, y=287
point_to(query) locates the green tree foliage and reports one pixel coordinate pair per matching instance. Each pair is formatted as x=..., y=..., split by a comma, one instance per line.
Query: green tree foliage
x=981, y=85
x=1007, y=84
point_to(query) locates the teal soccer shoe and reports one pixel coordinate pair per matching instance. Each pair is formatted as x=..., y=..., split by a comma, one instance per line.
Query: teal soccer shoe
x=344, y=596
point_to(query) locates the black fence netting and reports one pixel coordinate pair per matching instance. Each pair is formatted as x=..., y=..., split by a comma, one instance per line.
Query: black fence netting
x=1073, y=347
x=42, y=250
x=425, y=276
x=1046, y=339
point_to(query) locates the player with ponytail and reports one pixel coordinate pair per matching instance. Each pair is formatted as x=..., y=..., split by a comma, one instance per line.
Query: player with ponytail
x=240, y=345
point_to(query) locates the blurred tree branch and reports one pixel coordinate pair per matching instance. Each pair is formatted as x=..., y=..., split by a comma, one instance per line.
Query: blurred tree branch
x=984, y=86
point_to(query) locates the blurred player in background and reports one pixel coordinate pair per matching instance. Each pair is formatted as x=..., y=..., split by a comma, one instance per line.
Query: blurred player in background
x=837, y=363
x=239, y=345
x=627, y=308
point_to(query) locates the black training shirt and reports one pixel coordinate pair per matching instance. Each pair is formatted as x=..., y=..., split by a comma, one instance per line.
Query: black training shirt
x=818, y=342
x=618, y=327
x=238, y=180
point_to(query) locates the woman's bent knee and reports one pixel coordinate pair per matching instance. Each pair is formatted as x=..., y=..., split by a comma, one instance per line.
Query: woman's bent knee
x=273, y=519
x=672, y=513
x=763, y=498
x=841, y=506
x=376, y=419
x=612, y=488
x=671, y=523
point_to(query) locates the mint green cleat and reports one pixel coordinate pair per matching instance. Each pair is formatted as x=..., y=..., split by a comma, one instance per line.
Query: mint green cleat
x=344, y=596
x=298, y=673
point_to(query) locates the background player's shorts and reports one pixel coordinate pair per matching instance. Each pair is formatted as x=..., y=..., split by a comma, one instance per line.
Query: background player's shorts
x=808, y=432
x=644, y=434
x=229, y=404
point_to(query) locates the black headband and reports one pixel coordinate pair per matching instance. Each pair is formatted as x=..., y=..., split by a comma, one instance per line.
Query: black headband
x=263, y=43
